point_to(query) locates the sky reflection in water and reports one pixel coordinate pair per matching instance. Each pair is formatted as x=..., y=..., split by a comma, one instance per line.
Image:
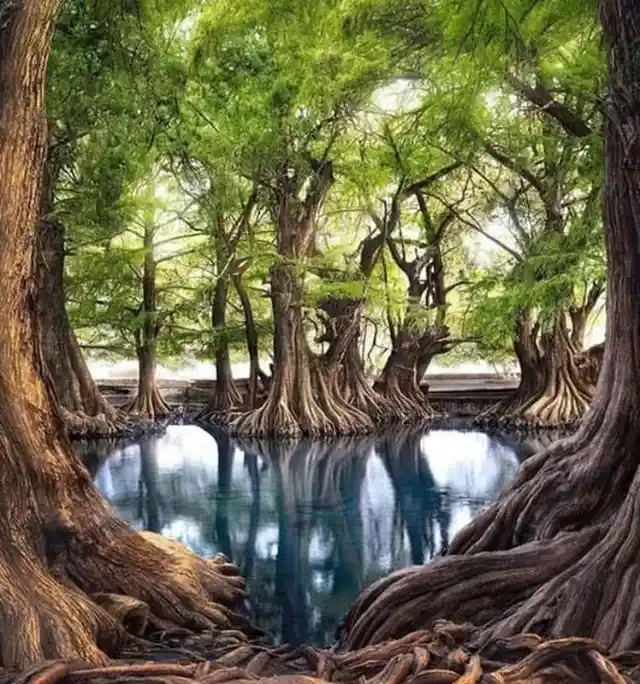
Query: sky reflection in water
x=310, y=524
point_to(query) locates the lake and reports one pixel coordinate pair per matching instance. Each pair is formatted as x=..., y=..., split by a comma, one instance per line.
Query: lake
x=310, y=524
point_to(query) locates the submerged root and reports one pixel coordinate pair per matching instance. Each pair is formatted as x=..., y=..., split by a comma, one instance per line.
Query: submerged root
x=440, y=656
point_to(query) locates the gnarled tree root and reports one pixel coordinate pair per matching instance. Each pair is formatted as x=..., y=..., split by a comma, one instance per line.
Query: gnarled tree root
x=103, y=582
x=437, y=657
x=114, y=425
x=149, y=405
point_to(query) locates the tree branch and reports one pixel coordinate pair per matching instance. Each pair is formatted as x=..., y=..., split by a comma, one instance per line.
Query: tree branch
x=542, y=98
x=514, y=166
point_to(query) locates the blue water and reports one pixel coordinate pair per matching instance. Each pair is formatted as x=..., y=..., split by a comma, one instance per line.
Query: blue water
x=309, y=524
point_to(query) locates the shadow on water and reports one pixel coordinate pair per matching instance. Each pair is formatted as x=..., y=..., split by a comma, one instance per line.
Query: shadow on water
x=309, y=523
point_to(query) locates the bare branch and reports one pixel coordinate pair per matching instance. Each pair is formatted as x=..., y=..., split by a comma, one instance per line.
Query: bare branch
x=542, y=98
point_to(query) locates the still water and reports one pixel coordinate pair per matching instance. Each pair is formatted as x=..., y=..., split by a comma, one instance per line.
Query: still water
x=309, y=524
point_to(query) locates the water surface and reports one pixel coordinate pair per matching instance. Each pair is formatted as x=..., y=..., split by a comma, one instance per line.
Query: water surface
x=309, y=524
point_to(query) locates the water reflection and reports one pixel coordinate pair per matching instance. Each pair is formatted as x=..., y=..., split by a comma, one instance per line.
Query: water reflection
x=311, y=523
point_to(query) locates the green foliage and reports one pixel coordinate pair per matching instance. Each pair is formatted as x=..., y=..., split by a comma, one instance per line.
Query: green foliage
x=216, y=101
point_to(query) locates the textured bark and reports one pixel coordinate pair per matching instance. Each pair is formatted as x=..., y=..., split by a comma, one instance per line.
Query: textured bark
x=258, y=379
x=302, y=397
x=564, y=395
x=85, y=411
x=553, y=391
x=148, y=402
x=579, y=315
x=61, y=543
x=343, y=324
x=399, y=380
x=225, y=395
x=414, y=346
x=589, y=363
x=557, y=555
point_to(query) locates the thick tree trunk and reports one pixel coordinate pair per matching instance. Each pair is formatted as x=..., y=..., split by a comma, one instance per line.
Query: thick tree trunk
x=85, y=411
x=589, y=363
x=148, y=402
x=258, y=380
x=399, y=380
x=558, y=554
x=564, y=395
x=63, y=552
x=302, y=396
x=342, y=333
x=553, y=391
x=525, y=346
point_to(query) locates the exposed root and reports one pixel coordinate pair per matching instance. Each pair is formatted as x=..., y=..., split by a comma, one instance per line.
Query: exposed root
x=149, y=404
x=104, y=581
x=220, y=406
x=438, y=657
x=318, y=410
x=116, y=425
x=557, y=398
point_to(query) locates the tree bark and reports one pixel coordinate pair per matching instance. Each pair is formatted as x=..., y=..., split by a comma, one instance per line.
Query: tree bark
x=342, y=333
x=302, y=398
x=85, y=411
x=399, y=380
x=63, y=550
x=557, y=555
x=148, y=402
x=258, y=379
x=589, y=363
x=525, y=346
x=225, y=396
x=553, y=391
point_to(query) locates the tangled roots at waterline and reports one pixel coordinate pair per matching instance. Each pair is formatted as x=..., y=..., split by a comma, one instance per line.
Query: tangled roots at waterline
x=437, y=657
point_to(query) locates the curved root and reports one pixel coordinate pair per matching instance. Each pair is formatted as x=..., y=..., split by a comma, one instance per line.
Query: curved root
x=149, y=405
x=438, y=657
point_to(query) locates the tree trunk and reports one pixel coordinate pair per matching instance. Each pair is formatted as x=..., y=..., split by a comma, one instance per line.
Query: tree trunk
x=225, y=396
x=85, y=411
x=564, y=395
x=589, y=363
x=258, y=380
x=148, y=402
x=302, y=397
x=342, y=333
x=525, y=346
x=558, y=554
x=399, y=380
x=64, y=553
x=553, y=391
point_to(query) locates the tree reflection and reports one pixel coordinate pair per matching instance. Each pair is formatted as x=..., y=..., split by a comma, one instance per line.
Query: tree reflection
x=149, y=484
x=418, y=502
x=310, y=523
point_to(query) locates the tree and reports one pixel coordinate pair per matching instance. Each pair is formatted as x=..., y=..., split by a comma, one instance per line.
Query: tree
x=85, y=58
x=64, y=548
x=291, y=107
x=557, y=554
